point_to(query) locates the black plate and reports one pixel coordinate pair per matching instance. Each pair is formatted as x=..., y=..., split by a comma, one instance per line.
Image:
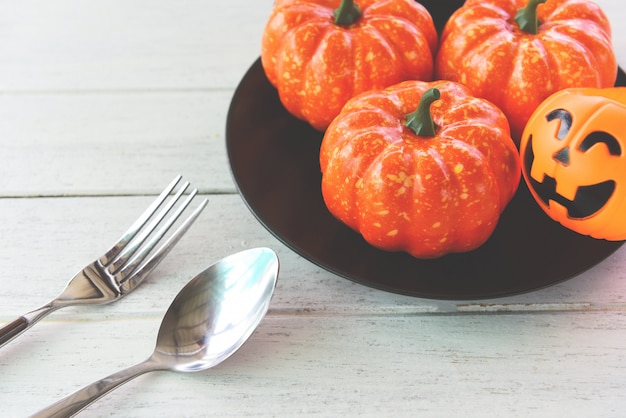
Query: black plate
x=274, y=162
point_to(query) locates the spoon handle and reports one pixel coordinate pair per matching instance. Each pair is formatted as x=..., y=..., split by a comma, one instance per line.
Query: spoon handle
x=77, y=401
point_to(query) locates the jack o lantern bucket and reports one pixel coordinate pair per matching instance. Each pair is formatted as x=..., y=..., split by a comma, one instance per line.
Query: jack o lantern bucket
x=573, y=153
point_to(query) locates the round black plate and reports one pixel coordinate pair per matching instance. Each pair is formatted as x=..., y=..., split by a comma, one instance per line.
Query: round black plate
x=274, y=162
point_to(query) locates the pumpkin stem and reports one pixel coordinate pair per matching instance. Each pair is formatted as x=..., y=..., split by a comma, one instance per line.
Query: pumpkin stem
x=347, y=13
x=526, y=17
x=421, y=121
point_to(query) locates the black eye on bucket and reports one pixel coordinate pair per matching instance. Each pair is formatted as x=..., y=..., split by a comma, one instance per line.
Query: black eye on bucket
x=600, y=137
x=565, y=118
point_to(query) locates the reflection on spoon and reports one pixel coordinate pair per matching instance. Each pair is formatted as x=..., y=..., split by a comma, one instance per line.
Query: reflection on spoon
x=211, y=317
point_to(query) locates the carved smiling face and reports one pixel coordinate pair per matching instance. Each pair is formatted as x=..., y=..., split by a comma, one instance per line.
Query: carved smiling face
x=574, y=162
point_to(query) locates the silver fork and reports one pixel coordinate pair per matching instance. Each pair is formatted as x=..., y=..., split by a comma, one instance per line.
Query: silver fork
x=121, y=269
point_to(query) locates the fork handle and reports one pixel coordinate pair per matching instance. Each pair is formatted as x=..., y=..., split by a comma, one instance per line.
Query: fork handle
x=12, y=330
x=21, y=324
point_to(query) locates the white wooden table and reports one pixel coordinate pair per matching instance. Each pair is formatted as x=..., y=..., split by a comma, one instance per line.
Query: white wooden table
x=101, y=104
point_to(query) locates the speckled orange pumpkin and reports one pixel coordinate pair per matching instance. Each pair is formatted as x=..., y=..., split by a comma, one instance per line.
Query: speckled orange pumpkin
x=320, y=53
x=427, y=182
x=574, y=154
x=515, y=53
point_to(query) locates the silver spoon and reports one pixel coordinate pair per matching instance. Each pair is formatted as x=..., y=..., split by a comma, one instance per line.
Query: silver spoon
x=211, y=317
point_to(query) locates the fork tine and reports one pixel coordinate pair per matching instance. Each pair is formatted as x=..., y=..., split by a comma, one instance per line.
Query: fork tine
x=115, y=250
x=140, y=273
x=142, y=235
x=138, y=257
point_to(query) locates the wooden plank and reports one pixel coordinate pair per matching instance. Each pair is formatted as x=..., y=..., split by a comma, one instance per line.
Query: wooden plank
x=112, y=143
x=62, y=235
x=367, y=365
x=72, y=45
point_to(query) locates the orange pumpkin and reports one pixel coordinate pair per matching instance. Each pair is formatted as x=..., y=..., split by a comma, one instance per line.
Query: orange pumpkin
x=427, y=182
x=574, y=160
x=320, y=53
x=515, y=53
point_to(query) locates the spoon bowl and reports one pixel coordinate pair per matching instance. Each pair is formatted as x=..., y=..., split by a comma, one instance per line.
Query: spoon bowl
x=216, y=312
x=208, y=321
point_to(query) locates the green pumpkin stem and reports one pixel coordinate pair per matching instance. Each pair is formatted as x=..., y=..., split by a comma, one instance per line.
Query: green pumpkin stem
x=347, y=13
x=526, y=17
x=421, y=121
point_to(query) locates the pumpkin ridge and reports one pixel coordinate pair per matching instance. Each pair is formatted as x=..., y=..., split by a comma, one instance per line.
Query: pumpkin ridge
x=329, y=97
x=363, y=191
x=287, y=19
x=388, y=148
x=474, y=26
x=360, y=134
x=361, y=76
x=416, y=16
x=589, y=44
x=492, y=154
x=492, y=70
x=399, y=52
x=551, y=77
x=484, y=165
x=289, y=58
x=452, y=186
x=584, y=10
x=555, y=37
